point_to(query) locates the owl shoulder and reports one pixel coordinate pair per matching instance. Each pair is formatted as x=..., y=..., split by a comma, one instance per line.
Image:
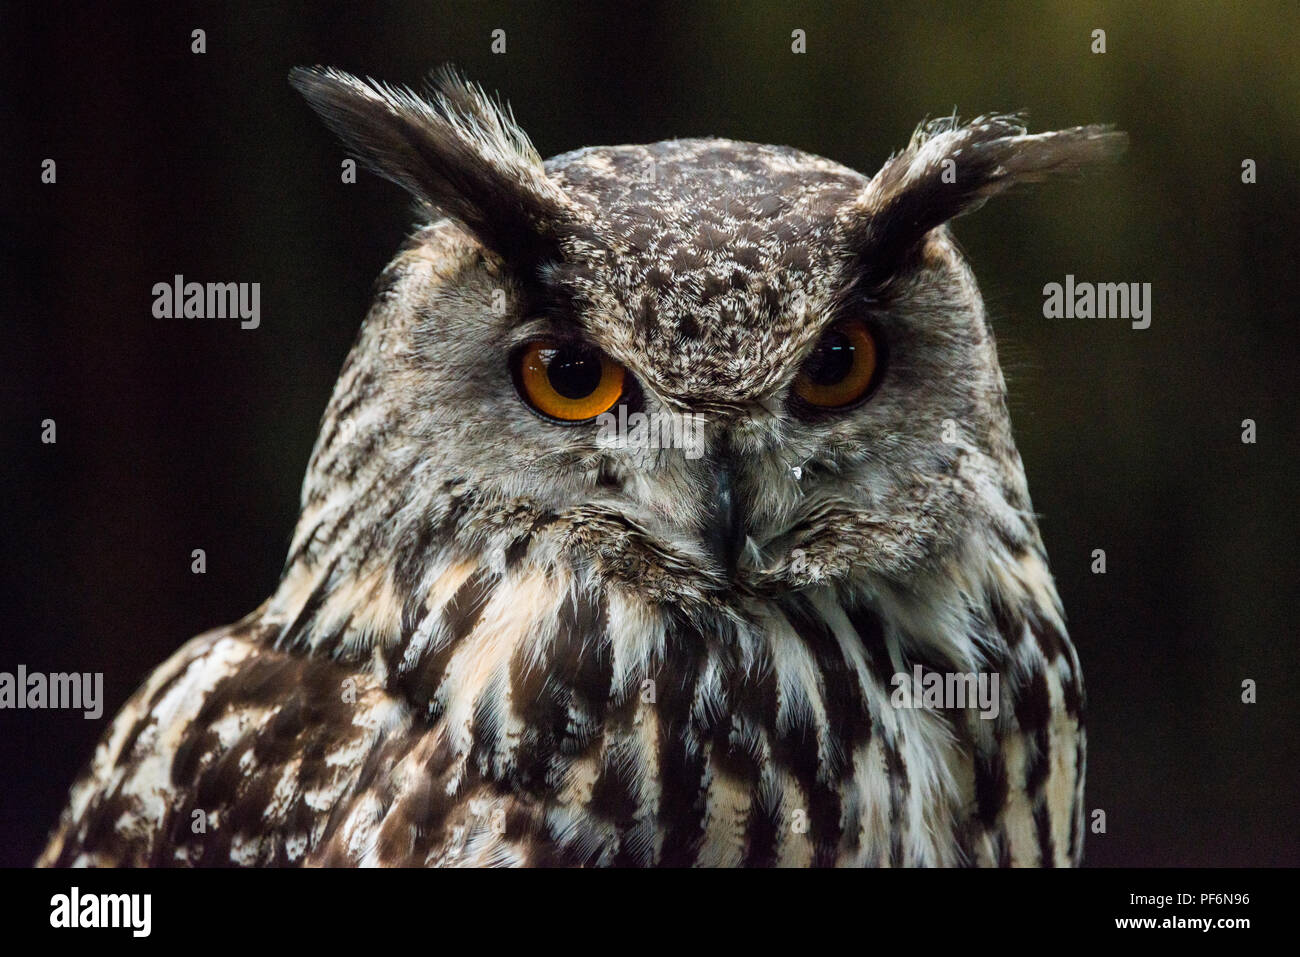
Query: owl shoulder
x=231, y=752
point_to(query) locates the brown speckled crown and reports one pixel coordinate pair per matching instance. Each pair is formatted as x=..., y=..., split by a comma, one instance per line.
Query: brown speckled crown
x=706, y=254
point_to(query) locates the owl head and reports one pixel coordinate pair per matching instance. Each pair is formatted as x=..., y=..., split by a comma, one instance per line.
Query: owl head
x=719, y=367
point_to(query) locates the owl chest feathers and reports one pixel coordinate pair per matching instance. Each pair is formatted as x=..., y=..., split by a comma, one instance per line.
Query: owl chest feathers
x=519, y=715
x=559, y=721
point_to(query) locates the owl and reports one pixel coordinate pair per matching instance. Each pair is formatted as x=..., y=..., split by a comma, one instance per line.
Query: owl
x=666, y=512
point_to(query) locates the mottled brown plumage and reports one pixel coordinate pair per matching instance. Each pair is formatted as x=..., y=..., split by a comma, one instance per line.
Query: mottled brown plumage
x=500, y=640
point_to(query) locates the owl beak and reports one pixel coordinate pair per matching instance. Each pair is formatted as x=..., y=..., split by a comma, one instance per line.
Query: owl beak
x=724, y=527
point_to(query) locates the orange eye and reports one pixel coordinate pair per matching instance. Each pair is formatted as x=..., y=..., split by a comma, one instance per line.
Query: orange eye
x=841, y=368
x=567, y=382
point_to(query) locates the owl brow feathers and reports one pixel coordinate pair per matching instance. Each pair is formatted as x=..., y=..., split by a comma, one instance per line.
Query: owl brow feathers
x=949, y=169
x=453, y=149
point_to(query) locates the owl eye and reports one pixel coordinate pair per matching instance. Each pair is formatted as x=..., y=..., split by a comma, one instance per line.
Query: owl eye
x=567, y=382
x=841, y=369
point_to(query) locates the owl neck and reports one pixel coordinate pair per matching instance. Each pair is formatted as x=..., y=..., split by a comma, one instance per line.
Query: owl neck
x=487, y=617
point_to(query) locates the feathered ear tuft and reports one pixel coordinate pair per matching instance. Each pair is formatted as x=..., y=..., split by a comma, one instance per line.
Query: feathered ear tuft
x=453, y=149
x=949, y=169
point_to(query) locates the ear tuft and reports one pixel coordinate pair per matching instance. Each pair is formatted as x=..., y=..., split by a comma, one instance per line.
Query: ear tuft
x=948, y=169
x=454, y=149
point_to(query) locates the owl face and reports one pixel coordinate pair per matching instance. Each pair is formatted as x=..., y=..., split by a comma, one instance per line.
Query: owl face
x=802, y=348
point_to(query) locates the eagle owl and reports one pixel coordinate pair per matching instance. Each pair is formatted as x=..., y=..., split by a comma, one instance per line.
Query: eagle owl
x=512, y=631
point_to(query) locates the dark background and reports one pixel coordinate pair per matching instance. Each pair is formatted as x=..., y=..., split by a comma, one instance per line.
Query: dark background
x=182, y=434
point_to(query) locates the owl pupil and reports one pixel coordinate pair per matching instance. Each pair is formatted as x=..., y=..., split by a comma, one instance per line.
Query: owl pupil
x=574, y=373
x=832, y=360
